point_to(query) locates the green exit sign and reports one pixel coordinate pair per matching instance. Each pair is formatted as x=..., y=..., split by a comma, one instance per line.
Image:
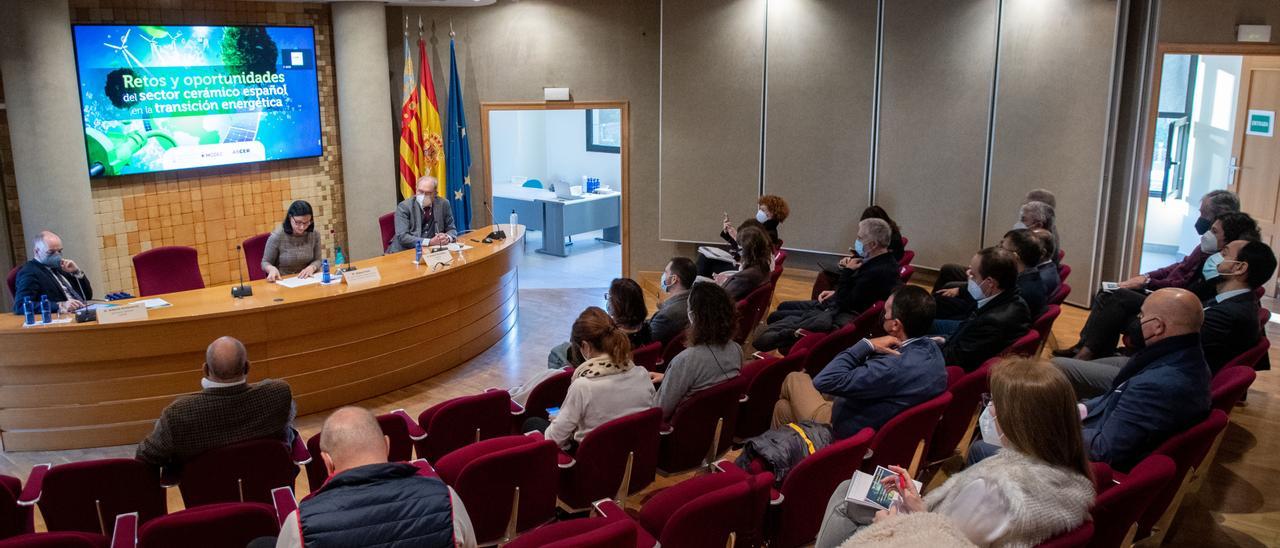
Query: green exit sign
x=1261, y=123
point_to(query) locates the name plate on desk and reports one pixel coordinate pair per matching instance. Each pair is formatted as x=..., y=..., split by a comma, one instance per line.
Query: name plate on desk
x=135, y=312
x=362, y=276
x=433, y=260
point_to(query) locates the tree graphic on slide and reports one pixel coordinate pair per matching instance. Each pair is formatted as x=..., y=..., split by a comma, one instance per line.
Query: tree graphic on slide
x=248, y=49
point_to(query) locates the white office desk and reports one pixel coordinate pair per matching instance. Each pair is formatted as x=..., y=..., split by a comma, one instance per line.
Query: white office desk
x=559, y=217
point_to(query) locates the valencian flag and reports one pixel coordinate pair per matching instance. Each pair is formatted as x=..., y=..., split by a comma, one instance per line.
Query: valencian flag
x=457, y=151
x=433, y=152
x=410, y=142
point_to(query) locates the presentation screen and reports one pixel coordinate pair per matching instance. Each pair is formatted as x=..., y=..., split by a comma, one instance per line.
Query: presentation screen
x=157, y=98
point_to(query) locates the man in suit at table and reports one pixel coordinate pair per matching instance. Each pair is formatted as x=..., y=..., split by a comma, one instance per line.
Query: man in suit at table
x=423, y=217
x=228, y=410
x=47, y=273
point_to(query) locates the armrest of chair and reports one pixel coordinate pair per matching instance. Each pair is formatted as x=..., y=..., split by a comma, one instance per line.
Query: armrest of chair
x=609, y=509
x=665, y=429
x=169, y=477
x=298, y=450
x=759, y=355
x=726, y=466
x=801, y=333
x=126, y=531
x=416, y=433
x=285, y=503
x=517, y=409
x=742, y=398
x=563, y=460
x=425, y=468
x=35, y=484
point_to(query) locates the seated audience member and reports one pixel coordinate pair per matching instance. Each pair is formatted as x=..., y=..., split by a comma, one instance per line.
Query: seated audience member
x=47, y=273
x=830, y=272
x=1162, y=391
x=863, y=282
x=1113, y=311
x=424, y=217
x=1025, y=247
x=625, y=304
x=1230, y=324
x=294, y=247
x=672, y=315
x=1213, y=205
x=756, y=263
x=1040, y=215
x=1000, y=316
x=710, y=356
x=772, y=211
x=1037, y=487
x=228, y=410
x=1040, y=195
x=875, y=379
x=1048, y=266
x=371, y=502
x=606, y=386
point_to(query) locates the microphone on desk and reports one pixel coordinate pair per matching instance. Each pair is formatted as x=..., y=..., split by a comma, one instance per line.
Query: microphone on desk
x=240, y=291
x=497, y=234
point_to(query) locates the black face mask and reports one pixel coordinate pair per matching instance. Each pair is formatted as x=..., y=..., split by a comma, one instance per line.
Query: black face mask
x=1203, y=225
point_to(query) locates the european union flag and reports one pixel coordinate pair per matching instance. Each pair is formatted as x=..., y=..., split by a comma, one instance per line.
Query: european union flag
x=457, y=153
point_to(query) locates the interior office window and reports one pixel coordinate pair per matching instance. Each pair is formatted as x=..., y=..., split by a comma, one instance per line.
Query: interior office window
x=1173, y=126
x=604, y=130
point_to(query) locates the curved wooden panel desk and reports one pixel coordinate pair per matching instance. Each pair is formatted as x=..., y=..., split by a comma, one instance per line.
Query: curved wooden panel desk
x=71, y=386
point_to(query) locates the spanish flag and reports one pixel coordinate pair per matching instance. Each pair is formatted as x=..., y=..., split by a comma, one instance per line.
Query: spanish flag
x=432, y=147
x=410, y=142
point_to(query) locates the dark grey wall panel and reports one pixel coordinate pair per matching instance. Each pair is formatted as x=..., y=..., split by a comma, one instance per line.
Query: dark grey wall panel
x=1052, y=106
x=821, y=84
x=712, y=85
x=935, y=100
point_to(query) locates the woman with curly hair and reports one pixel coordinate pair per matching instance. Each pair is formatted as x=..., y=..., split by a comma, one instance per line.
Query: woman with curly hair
x=772, y=211
x=711, y=356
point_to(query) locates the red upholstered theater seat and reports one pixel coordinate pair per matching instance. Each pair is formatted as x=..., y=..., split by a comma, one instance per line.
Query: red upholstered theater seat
x=764, y=379
x=254, y=247
x=701, y=428
x=243, y=472
x=211, y=526
x=506, y=480
x=904, y=439
x=86, y=496
x=616, y=459
x=461, y=421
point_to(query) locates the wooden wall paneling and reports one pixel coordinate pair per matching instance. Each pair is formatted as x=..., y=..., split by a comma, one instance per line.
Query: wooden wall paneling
x=1053, y=100
x=821, y=86
x=937, y=69
x=712, y=87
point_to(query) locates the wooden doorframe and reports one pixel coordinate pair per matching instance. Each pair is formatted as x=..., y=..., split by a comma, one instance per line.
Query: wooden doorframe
x=1140, y=190
x=624, y=155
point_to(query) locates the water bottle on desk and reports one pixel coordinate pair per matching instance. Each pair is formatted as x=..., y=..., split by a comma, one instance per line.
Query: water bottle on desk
x=417, y=252
x=324, y=271
x=44, y=309
x=340, y=260
x=29, y=309
x=515, y=219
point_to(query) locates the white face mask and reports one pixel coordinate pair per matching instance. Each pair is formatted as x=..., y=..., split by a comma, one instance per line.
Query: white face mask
x=1208, y=242
x=422, y=198
x=1019, y=225
x=761, y=216
x=987, y=424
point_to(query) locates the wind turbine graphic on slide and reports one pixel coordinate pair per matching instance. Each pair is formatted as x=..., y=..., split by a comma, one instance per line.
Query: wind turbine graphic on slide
x=123, y=50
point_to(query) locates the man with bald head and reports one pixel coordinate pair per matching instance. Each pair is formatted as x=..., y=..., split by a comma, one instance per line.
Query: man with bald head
x=47, y=273
x=368, y=501
x=424, y=217
x=227, y=410
x=1161, y=391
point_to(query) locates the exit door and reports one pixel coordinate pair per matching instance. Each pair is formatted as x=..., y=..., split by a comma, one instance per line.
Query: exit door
x=1255, y=166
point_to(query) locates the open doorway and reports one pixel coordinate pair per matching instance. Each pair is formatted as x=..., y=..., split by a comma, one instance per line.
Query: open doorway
x=561, y=169
x=1212, y=128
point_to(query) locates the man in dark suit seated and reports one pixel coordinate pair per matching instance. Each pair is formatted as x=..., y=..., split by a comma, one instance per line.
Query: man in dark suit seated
x=228, y=410
x=1162, y=391
x=1048, y=267
x=672, y=315
x=47, y=273
x=424, y=217
x=953, y=304
x=864, y=280
x=1230, y=324
x=1001, y=316
x=875, y=379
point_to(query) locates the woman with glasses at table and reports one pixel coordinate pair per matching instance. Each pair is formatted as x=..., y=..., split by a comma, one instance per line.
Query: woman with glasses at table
x=294, y=246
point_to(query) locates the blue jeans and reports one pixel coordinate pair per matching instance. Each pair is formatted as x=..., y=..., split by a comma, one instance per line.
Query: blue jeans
x=980, y=450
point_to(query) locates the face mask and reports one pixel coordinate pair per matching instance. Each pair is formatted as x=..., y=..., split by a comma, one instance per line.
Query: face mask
x=1208, y=242
x=1203, y=225
x=422, y=198
x=1210, y=269
x=665, y=287
x=52, y=260
x=1229, y=265
x=761, y=216
x=1141, y=341
x=987, y=424
x=975, y=290
x=1019, y=225
x=857, y=248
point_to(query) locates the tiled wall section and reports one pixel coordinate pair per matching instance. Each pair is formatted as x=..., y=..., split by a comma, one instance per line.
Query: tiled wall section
x=215, y=209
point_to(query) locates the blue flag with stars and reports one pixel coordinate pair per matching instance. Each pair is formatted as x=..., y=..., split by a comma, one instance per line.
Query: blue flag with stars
x=457, y=153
